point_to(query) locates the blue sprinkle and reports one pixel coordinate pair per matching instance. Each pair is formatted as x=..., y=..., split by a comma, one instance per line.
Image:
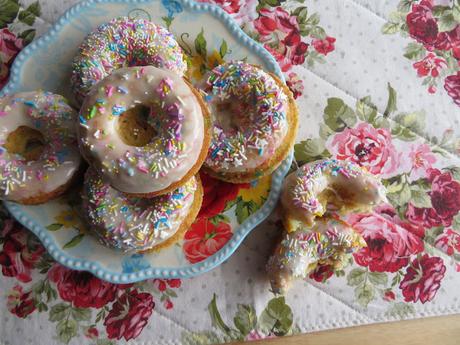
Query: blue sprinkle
x=131, y=172
x=30, y=104
x=122, y=89
x=118, y=109
x=82, y=119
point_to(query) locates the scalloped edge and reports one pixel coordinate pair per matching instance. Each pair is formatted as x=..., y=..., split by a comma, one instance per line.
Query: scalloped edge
x=240, y=233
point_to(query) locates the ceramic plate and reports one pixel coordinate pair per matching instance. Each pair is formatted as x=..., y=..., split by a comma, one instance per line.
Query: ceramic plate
x=208, y=35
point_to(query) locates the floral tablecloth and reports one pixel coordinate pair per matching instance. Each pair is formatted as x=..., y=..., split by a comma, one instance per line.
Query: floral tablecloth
x=377, y=82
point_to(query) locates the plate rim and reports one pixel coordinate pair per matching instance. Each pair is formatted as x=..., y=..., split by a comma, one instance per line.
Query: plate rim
x=242, y=230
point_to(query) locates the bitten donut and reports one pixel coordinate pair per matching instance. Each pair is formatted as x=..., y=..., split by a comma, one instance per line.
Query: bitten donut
x=329, y=242
x=135, y=224
x=328, y=185
x=120, y=43
x=38, y=148
x=254, y=122
x=145, y=129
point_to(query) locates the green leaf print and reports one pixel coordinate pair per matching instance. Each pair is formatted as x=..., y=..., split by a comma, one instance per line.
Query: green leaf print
x=81, y=314
x=366, y=110
x=447, y=22
x=58, y=312
x=245, y=319
x=405, y=5
x=391, y=28
x=439, y=11
x=310, y=150
x=8, y=13
x=223, y=49
x=201, y=338
x=407, y=125
x=200, y=44
x=364, y=294
x=244, y=209
x=456, y=11
x=356, y=276
x=414, y=51
x=391, y=103
x=74, y=241
x=54, y=227
x=27, y=35
x=420, y=197
x=217, y=320
x=28, y=15
x=338, y=115
x=66, y=330
x=400, y=309
x=456, y=222
x=276, y=318
x=378, y=278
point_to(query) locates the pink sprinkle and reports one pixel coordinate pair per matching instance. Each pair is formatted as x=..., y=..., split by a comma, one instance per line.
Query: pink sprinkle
x=109, y=91
x=3, y=113
x=142, y=168
x=39, y=174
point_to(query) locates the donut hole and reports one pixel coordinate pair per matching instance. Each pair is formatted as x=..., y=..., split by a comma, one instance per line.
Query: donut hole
x=233, y=114
x=134, y=128
x=26, y=142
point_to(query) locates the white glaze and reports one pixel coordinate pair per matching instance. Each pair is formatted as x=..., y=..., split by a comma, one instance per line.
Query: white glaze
x=56, y=120
x=104, y=151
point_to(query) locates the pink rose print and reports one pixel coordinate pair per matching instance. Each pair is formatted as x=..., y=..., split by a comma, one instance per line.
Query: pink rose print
x=445, y=200
x=430, y=65
x=20, y=303
x=324, y=46
x=421, y=159
x=389, y=296
x=389, y=244
x=92, y=333
x=322, y=273
x=10, y=45
x=422, y=25
x=422, y=279
x=452, y=86
x=242, y=11
x=82, y=288
x=367, y=146
x=129, y=315
x=295, y=84
x=256, y=335
x=20, y=252
x=448, y=242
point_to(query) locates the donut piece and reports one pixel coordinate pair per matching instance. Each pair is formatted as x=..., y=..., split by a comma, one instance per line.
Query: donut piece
x=136, y=224
x=328, y=185
x=254, y=122
x=39, y=155
x=169, y=110
x=121, y=43
x=329, y=242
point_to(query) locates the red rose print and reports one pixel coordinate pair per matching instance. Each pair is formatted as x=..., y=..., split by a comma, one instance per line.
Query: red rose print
x=21, y=251
x=296, y=53
x=388, y=211
x=10, y=46
x=324, y=46
x=367, y=146
x=280, y=56
x=452, y=86
x=19, y=303
x=295, y=84
x=421, y=23
x=389, y=296
x=129, y=315
x=422, y=279
x=205, y=238
x=275, y=19
x=448, y=242
x=445, y=200
x=92, y=333
x=162, y=284
x=430, y=65
x=216, y=195
x=82, y=288
x=322, y=273
x=389, y=244
x=168, y=304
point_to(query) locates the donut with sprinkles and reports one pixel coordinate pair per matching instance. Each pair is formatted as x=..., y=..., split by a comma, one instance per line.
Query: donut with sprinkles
x=39, y=155
x=120, y=43
x=328, y=185
x=137, y=224
x=176, y=127
x=254, y=122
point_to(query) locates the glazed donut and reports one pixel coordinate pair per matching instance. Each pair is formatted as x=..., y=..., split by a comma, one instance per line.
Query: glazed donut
x=120, y=43
x=254, y=122
x=168, y=148
x=38, y=148
x=329, y=242
x=328, y=185
x=135, y=224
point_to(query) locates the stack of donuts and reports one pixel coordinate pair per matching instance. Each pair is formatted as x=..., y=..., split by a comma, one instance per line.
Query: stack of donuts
x=145, y=132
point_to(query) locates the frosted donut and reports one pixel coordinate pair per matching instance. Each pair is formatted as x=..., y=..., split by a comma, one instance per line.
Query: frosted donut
x=328, y=242
x=135, y=224
x=120, y=43
x=328, y=185
x=175, y=116
x=254, y=122
x=38, y=148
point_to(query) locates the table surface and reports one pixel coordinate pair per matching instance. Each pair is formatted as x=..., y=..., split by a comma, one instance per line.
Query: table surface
x=442, y=330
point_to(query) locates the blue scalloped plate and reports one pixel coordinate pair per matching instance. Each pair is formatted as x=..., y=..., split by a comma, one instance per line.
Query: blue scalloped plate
x=46, y=64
